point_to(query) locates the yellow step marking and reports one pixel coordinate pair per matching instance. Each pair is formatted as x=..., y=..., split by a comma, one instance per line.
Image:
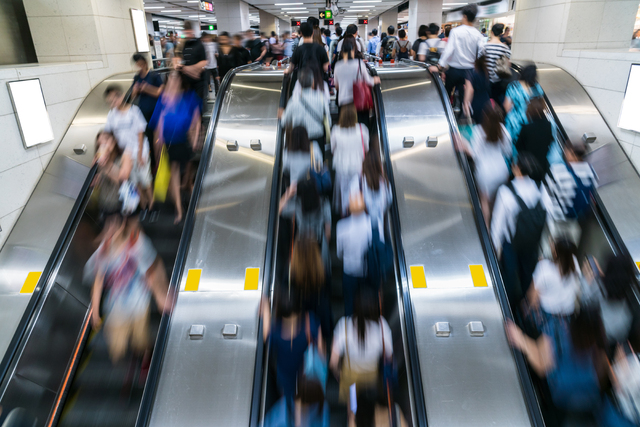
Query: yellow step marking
x=251, y=276
x=477, y=274
x=638, y=264
x=417, y=276
x=193, y=279
x=30, y=283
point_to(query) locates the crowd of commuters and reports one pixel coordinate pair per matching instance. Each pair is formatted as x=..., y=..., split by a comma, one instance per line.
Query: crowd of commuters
x=574, y=323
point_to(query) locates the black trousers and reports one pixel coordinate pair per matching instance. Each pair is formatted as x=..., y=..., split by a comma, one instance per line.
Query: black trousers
x=455, y=80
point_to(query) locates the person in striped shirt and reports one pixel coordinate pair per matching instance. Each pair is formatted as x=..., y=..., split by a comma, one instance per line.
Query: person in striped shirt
x=494, y=49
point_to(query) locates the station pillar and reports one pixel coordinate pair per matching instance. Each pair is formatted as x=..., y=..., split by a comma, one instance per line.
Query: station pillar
x=423, y=12
x=390, y=17
x=267, y=22
x=284, y=26
x=232, y=16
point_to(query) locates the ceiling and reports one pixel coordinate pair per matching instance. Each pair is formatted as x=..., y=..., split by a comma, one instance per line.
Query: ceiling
x=171, y=13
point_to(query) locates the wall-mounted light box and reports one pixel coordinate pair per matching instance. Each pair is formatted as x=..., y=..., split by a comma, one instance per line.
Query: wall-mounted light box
x=631, y=103
x=31, y=112
x=140, y=30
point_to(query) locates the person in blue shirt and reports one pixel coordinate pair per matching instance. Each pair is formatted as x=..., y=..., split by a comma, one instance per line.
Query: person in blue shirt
x=288, y=44
x=374, y=41
x=147, y=85
x=177, y=124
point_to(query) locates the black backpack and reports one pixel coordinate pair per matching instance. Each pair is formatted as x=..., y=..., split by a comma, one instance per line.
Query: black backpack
x=387, y=48
x=433, y=53
x=530, y=223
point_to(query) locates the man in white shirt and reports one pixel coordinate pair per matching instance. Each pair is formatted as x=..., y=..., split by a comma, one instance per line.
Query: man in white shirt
x=464, y=46
x=212, y=63
x=128, y=125
x=353, y=237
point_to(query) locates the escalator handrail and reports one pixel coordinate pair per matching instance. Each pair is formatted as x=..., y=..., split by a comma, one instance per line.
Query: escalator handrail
x=146, y=404
x=270, y=257
x=597, y=203
x=410, y=330
x=27, y=321
x=528, y=389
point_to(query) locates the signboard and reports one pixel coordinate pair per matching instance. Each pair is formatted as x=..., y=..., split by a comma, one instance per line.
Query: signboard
x=631, y=102
x=295, y=23
x=206, y=6
x=328, y=22
x=326, y=14
x=211, y=27
x=363, y=21
x=484, y=11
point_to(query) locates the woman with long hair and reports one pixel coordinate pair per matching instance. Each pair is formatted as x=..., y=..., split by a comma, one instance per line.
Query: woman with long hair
x=517, y=98
x=376, y=189
x=477, y=91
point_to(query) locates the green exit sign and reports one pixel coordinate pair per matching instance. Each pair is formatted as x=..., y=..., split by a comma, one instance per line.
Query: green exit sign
x=326, y=14
x=210, y=27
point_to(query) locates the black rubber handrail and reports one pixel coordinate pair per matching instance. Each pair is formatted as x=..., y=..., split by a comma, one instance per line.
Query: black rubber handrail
x=394, y=217
x=526, y=383
x=144, y=413
x=270, y=258
x=27, y=320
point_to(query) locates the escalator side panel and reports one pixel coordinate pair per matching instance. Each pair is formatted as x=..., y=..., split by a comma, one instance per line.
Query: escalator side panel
x=466, y=380
x=619, y=180
x=211, y=379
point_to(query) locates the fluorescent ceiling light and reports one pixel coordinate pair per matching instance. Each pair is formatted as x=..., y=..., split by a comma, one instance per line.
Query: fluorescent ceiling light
x=154, y=7
x=294, y=8
x=172, y=11
x=454, y=4
x=286, y=4
x=163, y=22
x=193, y=1
x=367, y=1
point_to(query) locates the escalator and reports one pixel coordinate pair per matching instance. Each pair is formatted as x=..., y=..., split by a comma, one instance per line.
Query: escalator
x=58, y=371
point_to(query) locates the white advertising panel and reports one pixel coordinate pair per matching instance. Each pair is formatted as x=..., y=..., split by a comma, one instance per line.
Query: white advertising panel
x=630, y=111
x=31, y=112
x=140, y=30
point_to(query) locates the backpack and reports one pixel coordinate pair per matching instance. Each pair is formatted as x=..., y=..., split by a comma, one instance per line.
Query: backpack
x=387, y=48
x=582, y=198
x=404, y=51
x=530, y=223
x=574, y=383
x=433, y=53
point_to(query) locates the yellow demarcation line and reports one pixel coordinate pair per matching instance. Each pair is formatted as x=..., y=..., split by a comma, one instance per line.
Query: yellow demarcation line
x=417, y=276
x=193, y=279
x=251, y=276
x=31, y=282
x=638, y=264
x=477, y=274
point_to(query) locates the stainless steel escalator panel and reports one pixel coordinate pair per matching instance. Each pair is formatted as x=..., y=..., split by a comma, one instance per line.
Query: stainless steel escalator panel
x=210, y=380
x=35, y=233
x=620, y=189
x=466, y=380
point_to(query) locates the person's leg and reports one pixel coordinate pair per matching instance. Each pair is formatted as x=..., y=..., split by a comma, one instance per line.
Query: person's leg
x=174, y=188
x=349, y=288
x=116, y=333
x=140, y=333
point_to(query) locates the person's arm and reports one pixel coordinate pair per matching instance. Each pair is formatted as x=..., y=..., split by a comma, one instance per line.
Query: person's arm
x=194, y=71
x=334, y=361
x=499, y=220
x=126, y=164
x=339, y=248
x=422, y=51
x=538, y=352
x=448, y=50
x=468, y=97
x=262, y=54
x=195, y=128
x=286, y=197
x=96, y=296
x=157, y=279
x=140, y=146
x=265, y=313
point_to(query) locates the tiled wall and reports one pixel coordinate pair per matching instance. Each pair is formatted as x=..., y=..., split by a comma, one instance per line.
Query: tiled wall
x=79, y=43
x=590, y=40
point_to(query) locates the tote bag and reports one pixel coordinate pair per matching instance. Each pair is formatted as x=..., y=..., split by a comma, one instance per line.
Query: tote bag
x=362, y=99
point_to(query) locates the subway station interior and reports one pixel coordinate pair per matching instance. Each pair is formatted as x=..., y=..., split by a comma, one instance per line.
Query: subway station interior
x=420, y=213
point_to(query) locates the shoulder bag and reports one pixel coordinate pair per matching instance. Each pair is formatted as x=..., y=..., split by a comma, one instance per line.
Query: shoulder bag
x=362, y=99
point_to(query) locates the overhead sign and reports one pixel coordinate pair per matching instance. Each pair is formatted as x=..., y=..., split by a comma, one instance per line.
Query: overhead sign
x=295, y=23
x=328, y=22
x=326, y=14
x=363, y=21
x=206, y=6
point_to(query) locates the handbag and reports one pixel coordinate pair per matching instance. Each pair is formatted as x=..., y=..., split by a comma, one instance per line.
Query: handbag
x=315, y=366
x=362, y=98
x=503, y=67
x=320, y=174
x=163, y=175
x=349, y=377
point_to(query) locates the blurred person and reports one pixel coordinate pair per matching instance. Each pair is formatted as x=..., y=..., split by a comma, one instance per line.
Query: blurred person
x=194, y=62
x=402, y=47
x=519, y=94
x=245, y=56
x=353, y=238
x=178, y=127
x=556, y=282
x=362, y=339
x=348, y=70
x=299, y=154
x=257, y=49
x=113, y=170
x=127, y=123
x=376, y=191
x=287, y=44
x=333, y=48
x=352, y=30
x=477, y=91
x=536, y=136
x=312, y=409
x=273, y=39
x=463, y=47
x=127, y=274
x=288, y=340
x=212, y=62
x=446, y=33
x=152, y=50
x=308, y=54
x=349, y=144
x=386, y=46
x=490, y=147
x=168, y=47
x=147, y=85
x=517, y=223
x=506, y=37
x=614, y=301
x=495, y=50
x=373, y=411
x=484, y=33
x=372, y=45
x=229, y=57
x=277, y=49
x=620, y=408
x=431, y=49
x=309, y=109
x=423, y=31
x=571, y=357
x=327, y=39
